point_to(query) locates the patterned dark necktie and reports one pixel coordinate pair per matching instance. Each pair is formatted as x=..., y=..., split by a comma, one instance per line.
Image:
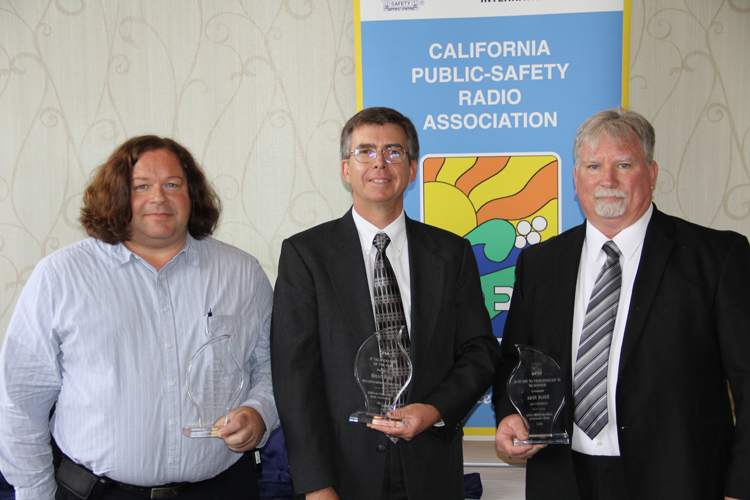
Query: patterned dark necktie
x=590, y=384
x=389, y=313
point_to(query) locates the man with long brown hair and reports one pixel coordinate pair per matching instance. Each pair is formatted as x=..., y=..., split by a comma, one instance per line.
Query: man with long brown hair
x=105, y=330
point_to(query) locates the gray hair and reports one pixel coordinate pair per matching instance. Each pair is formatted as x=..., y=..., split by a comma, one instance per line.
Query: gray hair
x=380, y=116
x=619, y=125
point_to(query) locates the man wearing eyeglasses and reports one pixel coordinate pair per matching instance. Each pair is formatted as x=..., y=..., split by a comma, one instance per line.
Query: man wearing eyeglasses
x=325, y=307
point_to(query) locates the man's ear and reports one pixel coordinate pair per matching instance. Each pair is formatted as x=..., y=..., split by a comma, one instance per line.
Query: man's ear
x=653, y=173
x=345, y=170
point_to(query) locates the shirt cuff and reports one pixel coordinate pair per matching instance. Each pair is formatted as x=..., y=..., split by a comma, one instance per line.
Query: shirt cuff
x=45, y=491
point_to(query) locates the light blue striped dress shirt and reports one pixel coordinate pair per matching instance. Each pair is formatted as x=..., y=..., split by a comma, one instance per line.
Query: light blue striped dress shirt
x=109, y=338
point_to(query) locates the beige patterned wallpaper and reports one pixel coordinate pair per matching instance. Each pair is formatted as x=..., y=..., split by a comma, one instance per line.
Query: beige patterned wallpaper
x=690, y=75
x=259, y=91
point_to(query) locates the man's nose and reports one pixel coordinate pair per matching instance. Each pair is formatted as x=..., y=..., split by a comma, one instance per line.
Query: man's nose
x=609, y=178
x=379, y=160
x=159, y=196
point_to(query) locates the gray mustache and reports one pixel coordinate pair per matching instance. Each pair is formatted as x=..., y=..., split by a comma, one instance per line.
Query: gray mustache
x=609, y=193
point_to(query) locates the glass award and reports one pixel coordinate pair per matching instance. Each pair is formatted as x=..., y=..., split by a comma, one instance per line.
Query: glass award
x=383, y=371
x=214, y=381
x=536, y=390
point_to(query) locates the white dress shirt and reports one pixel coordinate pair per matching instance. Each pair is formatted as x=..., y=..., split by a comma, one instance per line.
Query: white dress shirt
x=397, y=252
x=630, y=243
x=108, y=337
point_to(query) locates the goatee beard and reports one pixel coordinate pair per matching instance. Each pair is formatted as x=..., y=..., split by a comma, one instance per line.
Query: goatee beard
x=606, y=208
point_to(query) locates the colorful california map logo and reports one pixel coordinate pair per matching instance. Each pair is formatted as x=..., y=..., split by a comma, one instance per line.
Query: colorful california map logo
x=501, y=204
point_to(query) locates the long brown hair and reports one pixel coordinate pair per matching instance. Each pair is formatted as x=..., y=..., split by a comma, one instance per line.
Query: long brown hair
x=107, y=210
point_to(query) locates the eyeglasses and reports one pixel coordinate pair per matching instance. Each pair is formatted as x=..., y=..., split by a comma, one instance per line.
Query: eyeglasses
x=392, y=155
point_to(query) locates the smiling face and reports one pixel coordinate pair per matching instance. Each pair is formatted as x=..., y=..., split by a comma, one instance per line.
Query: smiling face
x=614, y=184
x=378, y=187
x=160, y=202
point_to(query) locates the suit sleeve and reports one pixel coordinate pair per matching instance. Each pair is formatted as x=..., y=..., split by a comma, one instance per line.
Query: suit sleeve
x=516, y=332
x=298, y=375
x=733, y=326
x=476, y=350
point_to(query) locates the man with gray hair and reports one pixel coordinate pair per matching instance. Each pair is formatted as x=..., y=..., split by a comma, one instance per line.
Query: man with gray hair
x=647, y=316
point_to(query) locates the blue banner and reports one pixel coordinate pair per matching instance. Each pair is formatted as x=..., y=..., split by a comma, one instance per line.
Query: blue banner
x=496, y=91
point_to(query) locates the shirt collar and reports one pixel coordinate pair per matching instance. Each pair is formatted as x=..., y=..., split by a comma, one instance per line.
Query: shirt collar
x=396, y=231
x=121, y=254
x=628, y=240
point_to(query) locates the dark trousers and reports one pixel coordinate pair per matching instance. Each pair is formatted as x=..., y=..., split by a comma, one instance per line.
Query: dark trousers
x=600, y=478
x=239, y=482
x=6, y=490
x=394, y=485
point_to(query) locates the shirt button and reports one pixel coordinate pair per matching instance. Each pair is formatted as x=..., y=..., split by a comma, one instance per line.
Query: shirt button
x=171, y=383
x=172, y=462
x=165, y=309
x=381, y=448
x=172, y=422
x=169, y=345
x=599, y=443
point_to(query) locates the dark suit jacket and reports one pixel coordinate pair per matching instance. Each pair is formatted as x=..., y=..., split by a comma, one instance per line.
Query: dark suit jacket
x=323, y=314
x=687, y=332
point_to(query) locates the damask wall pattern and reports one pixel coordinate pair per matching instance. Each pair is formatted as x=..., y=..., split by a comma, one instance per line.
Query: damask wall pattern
x=258, y=90
x=690, y=76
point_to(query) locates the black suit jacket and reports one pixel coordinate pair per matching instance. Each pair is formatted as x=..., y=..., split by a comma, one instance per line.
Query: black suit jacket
x=687, y=332
x=323, y=314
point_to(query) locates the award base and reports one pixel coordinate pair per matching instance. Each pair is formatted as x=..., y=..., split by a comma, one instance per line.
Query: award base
x=361, y=417
x=560, y=438
x=201, y=432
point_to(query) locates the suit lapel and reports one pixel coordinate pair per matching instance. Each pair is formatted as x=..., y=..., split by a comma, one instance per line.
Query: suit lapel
x=346, y=269
x=657, y=247
x=567, y=262
x=427, y=272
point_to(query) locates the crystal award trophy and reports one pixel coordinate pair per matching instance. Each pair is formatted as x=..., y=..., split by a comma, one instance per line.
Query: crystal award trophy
x=214, y=381
x=536, y=390
x=383, y=371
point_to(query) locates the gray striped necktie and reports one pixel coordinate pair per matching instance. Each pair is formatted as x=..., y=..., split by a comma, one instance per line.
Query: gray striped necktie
x=590, y=384
x=389, y=311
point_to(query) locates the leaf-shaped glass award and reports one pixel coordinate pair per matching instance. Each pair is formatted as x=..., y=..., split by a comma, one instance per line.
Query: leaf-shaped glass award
x=383, y=371
x=214, y=381
x=536, y=390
